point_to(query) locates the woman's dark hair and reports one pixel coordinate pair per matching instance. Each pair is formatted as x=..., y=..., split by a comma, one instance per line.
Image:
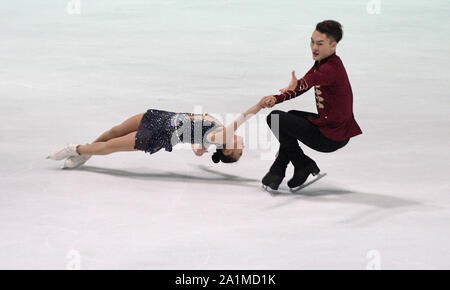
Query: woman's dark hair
x=219, y=156
x=331, y=28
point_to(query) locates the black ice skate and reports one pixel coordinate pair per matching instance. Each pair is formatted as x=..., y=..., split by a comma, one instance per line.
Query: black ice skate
x=272, y=180
x=301, y=174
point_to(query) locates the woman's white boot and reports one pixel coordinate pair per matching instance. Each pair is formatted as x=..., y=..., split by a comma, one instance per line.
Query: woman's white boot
x=68, y=151
x=76, y=161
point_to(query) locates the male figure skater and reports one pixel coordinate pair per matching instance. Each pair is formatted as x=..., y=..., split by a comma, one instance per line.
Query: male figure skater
x=327, y=131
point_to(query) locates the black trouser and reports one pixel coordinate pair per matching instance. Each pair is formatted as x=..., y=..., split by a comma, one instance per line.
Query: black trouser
x=293, y=126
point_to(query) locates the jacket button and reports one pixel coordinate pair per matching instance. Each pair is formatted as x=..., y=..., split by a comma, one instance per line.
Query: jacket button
x=326, y=117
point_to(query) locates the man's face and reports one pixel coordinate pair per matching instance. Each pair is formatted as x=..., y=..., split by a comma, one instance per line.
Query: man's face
x=321, y=46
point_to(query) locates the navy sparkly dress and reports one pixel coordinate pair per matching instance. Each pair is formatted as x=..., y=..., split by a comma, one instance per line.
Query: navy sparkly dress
x=162, y=129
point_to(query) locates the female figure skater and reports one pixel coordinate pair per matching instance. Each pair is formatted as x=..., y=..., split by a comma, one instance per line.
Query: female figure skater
x=156, y=129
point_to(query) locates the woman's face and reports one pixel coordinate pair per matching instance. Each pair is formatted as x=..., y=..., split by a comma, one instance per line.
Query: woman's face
x=238, y=145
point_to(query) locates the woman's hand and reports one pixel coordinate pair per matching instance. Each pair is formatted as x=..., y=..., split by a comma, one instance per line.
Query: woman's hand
x=292, y=84
x=198, y=151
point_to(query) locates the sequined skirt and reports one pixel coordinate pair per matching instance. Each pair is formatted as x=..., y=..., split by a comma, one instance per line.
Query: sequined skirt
x=156, y=131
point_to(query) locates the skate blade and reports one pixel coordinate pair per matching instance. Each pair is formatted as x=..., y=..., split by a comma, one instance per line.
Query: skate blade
x=271, y=191
x=67, y=167
x=316, y=178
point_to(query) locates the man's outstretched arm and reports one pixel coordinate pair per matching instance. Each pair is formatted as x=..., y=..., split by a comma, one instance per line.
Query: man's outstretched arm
x=312, y=78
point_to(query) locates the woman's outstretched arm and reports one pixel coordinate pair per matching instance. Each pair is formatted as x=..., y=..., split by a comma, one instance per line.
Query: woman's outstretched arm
x=224, y=134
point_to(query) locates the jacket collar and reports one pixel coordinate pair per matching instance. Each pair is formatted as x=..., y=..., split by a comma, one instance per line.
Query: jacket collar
x=318, y=63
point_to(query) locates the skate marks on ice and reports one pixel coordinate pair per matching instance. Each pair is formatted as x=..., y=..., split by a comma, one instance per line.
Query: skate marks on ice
x=346, y=196
x=226, y=175
x=216, y=177
x=335, y=194
x=381, y=206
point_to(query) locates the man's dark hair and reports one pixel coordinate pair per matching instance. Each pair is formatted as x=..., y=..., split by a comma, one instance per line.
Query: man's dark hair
x=331, y=28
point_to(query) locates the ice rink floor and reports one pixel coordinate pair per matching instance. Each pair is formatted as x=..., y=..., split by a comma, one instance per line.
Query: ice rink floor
x=67, y=75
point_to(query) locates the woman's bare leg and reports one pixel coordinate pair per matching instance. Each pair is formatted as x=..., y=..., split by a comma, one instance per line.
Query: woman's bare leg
x=123, y=143
x=126, y=127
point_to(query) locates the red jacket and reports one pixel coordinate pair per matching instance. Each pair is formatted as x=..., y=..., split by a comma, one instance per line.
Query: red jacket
x=334, y=98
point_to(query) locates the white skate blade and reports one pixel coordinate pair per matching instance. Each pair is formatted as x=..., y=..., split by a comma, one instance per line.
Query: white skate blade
x=75, y=161
x=316, y=178
x=271, y=191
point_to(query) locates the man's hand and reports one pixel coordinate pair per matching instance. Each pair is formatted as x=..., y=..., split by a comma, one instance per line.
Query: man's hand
x=292, y=84
x=267, y=102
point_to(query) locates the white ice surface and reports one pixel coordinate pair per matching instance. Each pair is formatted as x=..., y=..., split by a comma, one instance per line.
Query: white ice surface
x=66, y=78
